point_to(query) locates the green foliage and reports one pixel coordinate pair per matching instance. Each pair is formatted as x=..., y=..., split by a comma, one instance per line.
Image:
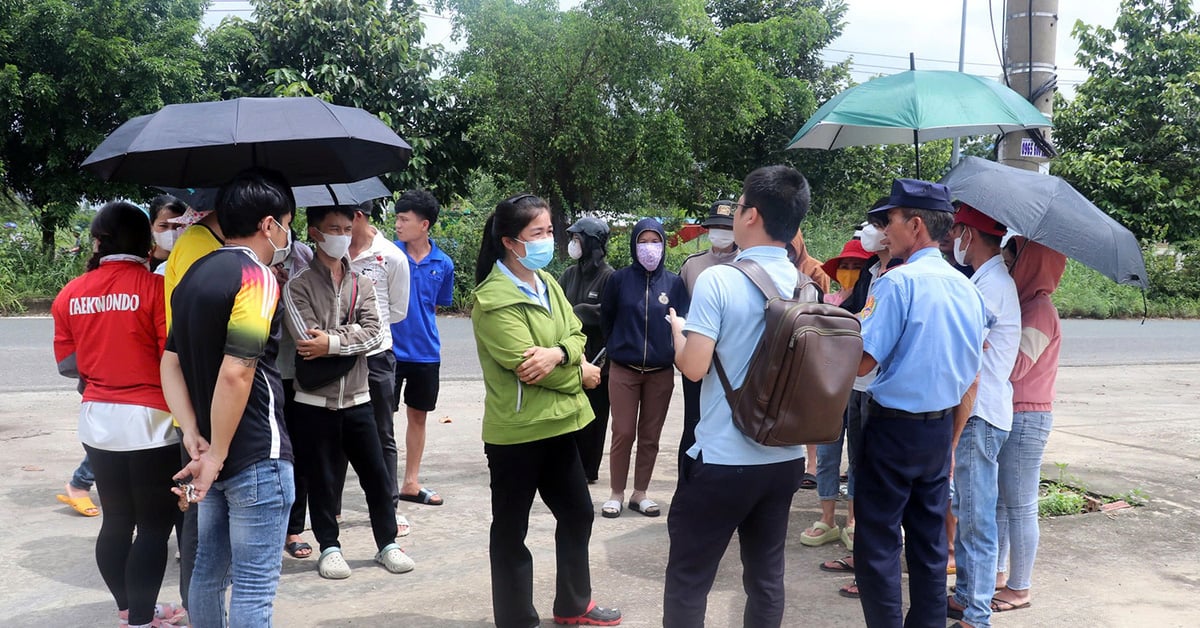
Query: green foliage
x=360, y=53
x=26, y=272
x=70, y=73
x=1130, y=140
x=1058, y=501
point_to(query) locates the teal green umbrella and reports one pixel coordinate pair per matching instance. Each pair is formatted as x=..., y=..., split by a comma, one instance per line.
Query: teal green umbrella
x=917, y=106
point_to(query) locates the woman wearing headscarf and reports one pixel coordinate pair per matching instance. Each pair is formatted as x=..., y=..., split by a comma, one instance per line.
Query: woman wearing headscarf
x=1036, y=270
x=633, y=313
x=583, y=283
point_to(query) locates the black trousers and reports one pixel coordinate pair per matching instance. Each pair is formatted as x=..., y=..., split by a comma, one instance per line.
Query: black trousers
x=590, y=439
x=300, y=506
x=551, y=468
x=381, y=381
x=323, y=439
x=691, y=417
x=135, y=487
x=901, y=478
x=709, y=505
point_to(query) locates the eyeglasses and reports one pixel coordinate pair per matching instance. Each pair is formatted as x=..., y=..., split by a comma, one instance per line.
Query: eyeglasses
x=739, y=206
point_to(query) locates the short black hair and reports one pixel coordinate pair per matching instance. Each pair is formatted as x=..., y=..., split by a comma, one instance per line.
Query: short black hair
x=781, y=196
x=167, y=202
x=317, y=213
x=421, y=203
x=120, y=228
x=937, y=223
x=250, y=196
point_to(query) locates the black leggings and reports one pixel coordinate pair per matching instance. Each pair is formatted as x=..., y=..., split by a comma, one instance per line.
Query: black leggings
x=135, y=488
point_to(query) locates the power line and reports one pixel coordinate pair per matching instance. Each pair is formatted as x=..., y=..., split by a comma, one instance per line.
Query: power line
x=905, y=57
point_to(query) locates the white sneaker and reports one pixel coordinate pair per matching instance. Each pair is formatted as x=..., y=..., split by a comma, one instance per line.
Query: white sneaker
x=394, y=559
x=332, y=564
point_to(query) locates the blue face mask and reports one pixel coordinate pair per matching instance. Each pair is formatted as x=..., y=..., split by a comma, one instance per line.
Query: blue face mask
x=538, y=253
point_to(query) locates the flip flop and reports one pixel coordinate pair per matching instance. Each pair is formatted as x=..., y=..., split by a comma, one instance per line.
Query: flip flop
x=295, y=547
x=424, y=496
x=403, y=527
x=1008, y=606
x=851, y=591
x=838, y=565
x=647, y=507
x=82, y=505
x=611, y=509
x=809, y=482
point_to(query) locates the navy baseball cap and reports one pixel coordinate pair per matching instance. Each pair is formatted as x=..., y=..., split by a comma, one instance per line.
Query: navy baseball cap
x=720, y=214
x=917, y=194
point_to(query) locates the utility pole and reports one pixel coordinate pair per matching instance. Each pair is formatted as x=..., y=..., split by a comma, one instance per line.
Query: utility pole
x=1030, y=31
x=962, y=50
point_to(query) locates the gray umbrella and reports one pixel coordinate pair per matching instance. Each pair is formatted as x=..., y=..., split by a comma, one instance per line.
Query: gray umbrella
x=306, y=195
x=1046, y=209
x=202, y=145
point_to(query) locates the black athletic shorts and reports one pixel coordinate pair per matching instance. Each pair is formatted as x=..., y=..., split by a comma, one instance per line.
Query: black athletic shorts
x=419, y=382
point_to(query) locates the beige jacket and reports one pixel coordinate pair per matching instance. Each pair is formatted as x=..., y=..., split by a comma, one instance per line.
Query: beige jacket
x=311, y=301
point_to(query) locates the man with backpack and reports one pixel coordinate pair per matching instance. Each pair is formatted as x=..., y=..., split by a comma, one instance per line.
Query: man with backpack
x=733, y=482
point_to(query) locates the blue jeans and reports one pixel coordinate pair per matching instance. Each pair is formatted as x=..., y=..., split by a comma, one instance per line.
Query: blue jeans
x=829, y=463
x=1017, y=510
x=976, y=469
x=243, y=520
x=83, y=478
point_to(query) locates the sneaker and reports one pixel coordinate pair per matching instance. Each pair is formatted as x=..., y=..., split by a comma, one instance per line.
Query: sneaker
x=595, y=616
x=332, y=564
x=394, y=559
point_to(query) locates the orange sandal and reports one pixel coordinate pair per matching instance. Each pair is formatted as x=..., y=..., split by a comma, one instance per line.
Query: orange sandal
x=82, y=505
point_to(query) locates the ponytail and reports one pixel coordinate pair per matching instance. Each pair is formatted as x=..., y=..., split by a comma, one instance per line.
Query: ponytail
x=511, y=217
x=490, y=250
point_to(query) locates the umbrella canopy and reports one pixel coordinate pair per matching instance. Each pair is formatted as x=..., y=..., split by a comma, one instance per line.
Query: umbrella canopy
x=1047, y=210
x=306, y=195
x=202, y=145
x=917, y=106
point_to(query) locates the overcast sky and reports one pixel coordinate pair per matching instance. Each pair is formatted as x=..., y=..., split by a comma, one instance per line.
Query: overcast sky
x=879, y=34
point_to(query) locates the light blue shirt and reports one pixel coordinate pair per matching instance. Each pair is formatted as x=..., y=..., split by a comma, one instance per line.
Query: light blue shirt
x=728, y=308
x=994, y=401
x=924, y=323
x=537, y=292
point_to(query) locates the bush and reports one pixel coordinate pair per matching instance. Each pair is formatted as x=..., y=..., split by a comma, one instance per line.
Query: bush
x=27, y=273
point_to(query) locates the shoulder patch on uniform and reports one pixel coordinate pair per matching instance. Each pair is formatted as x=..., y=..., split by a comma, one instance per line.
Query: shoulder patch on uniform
x=867, y=308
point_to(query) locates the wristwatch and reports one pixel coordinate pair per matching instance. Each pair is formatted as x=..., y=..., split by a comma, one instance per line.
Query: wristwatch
x=563, y=361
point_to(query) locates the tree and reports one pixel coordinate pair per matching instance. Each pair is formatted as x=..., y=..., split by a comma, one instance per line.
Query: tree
x=72, y=72
x=1130, y=140
x=360, y=53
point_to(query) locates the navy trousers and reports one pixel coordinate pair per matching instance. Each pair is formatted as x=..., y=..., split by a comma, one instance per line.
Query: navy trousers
x=902, y=479
x=709, y=505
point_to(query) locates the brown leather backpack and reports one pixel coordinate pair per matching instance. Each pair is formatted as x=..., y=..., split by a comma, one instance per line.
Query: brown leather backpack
x=802, y=370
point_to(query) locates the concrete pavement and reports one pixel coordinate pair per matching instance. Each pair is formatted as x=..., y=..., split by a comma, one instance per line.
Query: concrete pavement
x=1118, y=428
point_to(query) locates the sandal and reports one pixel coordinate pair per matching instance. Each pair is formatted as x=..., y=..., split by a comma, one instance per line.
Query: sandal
x=611, y=509
x=828, y=534
x=82, y=505
x=838, y=565
x=1003, y=606
x=295, y=548
x=170, y=615
x=809, y=482
x=403, y=527
x=848, y=537
x=647, y=507
x=850, y=591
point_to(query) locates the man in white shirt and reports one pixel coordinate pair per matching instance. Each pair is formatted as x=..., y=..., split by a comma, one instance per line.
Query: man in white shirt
x=978, y=441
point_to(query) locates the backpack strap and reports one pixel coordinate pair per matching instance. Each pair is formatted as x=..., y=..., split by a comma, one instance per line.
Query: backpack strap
x=761, y=280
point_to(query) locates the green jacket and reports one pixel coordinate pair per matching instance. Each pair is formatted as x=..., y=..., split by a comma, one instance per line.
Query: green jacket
x=507, y=323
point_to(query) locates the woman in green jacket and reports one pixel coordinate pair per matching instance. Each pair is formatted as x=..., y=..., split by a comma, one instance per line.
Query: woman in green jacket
x=530, y=345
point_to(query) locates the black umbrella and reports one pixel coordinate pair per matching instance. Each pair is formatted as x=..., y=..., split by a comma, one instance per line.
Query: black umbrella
x=306, y=195
x=202, y=145
x=1046, y=209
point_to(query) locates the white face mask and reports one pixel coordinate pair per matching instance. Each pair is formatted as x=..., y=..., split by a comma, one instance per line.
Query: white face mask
x=278, y=255
x=872, y=239
x=720, y=238
x=165, y=240
x=574, y=249
x=960, y=254
x=335, y=246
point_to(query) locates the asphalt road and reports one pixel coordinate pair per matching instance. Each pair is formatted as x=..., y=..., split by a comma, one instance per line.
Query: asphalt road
x=27, y=364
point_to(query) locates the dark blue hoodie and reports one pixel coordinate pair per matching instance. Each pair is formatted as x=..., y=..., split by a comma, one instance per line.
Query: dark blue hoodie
x=634, y=307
